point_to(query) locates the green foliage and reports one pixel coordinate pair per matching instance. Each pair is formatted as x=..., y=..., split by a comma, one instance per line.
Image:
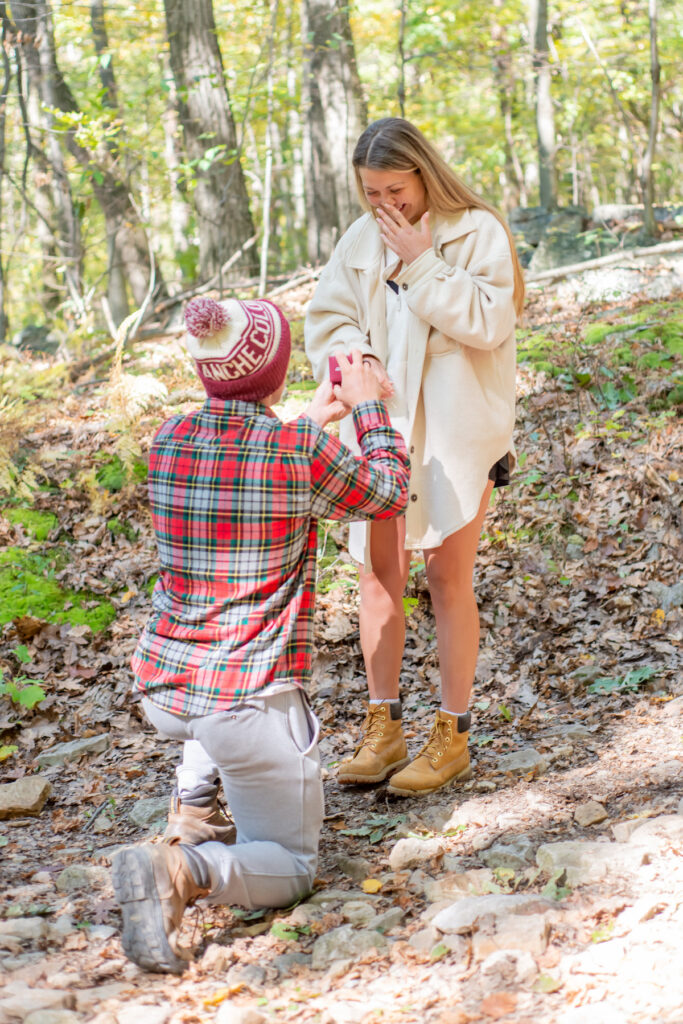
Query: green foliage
x=376, y=827
x=121, y=529
x=28, y=587
x=114, y=474
x=557, y=888
x=38, y=524
x=27, y=693
x=629, y=683
x=6, y=750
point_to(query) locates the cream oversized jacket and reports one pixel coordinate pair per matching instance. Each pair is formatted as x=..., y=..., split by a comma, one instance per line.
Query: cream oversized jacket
x=461, y=361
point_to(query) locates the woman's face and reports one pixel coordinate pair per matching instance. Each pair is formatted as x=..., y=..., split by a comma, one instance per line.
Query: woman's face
x=403, y=190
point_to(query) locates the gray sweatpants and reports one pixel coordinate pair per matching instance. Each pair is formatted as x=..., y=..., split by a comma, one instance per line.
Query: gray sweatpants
x=266, y=753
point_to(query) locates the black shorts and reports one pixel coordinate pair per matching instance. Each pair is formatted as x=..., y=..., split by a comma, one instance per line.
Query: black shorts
x=500, y=472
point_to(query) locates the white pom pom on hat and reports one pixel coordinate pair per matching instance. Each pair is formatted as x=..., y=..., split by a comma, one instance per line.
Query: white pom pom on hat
x=241, y=349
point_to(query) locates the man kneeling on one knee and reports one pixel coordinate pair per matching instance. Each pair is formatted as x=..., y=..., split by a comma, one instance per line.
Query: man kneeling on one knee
x=224, y=660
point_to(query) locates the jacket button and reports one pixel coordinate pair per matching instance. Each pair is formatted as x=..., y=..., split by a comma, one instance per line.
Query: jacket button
x=412, y=449
x=404, y=287
x=413, y=497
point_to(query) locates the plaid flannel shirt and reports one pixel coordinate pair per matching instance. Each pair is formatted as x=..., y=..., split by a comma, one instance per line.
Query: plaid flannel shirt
x=235, y=497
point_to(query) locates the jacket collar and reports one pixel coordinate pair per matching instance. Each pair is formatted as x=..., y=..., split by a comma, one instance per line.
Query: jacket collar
x=367, y=248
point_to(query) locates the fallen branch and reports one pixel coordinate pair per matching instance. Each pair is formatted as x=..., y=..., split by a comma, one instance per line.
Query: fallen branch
x=602, y=261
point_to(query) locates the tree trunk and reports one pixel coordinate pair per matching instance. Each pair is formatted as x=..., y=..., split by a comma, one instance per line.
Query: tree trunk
x=221, y=199
x=127, y=238
x=514, y=189
x=4, y=92
x=181, y=213
x=545, y=119
x=334, y=117
x=28, y=20
x=646, y=176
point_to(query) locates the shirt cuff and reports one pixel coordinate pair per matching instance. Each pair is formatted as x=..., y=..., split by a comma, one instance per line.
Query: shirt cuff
x=368, y=415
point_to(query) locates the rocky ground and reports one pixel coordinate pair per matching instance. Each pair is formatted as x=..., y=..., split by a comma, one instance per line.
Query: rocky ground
x=549, y=889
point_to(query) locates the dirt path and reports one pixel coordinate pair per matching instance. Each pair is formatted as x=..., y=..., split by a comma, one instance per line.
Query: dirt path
x=547, y=890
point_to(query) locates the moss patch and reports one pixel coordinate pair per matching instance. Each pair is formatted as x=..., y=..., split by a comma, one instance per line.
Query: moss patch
x=36, y=524
x=28, y=587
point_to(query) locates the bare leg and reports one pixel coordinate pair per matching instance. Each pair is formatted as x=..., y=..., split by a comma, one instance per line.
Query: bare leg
x=449, y=572
x=382, y=618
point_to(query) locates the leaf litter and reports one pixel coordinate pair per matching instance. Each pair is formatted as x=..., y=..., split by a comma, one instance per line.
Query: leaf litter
x=580, y=660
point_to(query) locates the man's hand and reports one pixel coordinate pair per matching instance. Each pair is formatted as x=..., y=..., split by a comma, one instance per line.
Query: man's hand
x=400, y=235
x=360, y=380
x=325, y=407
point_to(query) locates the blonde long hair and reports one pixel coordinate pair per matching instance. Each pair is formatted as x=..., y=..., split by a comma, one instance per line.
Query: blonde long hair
x=394, y=144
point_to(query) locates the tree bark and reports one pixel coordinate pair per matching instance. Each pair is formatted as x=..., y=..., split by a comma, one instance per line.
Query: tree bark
x=127, y=238
x=334, y=116
x=514, y=187
x=68, y=233
x=646, y=176
x=220, y=196
x=4, y=92
x=545, y=119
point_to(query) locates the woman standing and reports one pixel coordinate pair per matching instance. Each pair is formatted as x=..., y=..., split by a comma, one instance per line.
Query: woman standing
x=428, y=285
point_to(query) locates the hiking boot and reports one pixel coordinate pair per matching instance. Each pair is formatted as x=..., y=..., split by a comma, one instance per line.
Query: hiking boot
x=443, y=759
x=153, y=885
x=194, y=825
x=382, y=749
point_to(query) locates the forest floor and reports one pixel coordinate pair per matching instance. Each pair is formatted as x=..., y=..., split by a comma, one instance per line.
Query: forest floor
x=547, y=889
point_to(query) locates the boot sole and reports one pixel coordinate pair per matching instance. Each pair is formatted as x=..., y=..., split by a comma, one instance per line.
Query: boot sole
x=144, y=936
x=462, y=776
x=356, y=780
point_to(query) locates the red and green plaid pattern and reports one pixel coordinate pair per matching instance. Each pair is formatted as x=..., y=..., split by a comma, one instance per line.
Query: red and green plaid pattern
x=235, y=497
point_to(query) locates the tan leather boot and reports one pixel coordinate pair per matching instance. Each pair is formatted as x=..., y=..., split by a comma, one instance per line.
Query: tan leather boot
x=153, y=885
x=443, y=759
x=194, y=825
x=382, y=749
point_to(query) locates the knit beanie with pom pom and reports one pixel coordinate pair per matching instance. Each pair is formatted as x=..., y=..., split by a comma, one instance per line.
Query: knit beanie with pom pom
x=240, y=349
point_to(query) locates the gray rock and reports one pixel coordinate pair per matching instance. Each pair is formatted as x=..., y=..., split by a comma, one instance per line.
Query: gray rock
x=526, y=760
x=667, y=598
x=81, y=876
x=425, y=939
x=345, y=943
x=18, y=1000
x=522, y=932
x=508, y=967
x=590, y=813
x=574, y=730
x=514, y=855
x=411, y=853
x=389, y=919
x=530, y=222
x=359, y=912
x=324, y=896
x=151, y=809
x=52, y=1017
x=71, y=751
x=24, y=797
x=24, y=929
x=623, y=830
x=475, y=882
x=135, y=1012
x=286, y=961
x=251, y=975
x=587, y=862
x=465, y=915
x=655, y=834
x=356, y=868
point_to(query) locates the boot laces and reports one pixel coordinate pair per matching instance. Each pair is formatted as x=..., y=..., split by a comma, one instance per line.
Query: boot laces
x=437, y=741
x=373, y=725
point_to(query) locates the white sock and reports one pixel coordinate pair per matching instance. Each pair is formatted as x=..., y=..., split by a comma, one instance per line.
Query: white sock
x=453, y=714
